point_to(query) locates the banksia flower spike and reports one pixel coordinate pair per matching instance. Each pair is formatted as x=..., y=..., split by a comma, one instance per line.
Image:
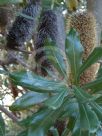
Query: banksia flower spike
x=85, y=24
x=23, y=27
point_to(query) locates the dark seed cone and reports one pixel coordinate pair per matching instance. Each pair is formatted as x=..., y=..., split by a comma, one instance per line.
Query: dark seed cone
x=85, y=24
x=23, y=27
x=4, y=18
x=50, y=27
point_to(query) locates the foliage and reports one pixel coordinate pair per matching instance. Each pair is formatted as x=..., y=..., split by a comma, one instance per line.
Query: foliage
x=65, y=102
x=56, y=96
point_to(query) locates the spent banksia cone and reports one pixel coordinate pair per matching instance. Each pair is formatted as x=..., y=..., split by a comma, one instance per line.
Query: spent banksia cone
x=48, y=28
x=5, y=14
x=23, y=27
x=85, y=24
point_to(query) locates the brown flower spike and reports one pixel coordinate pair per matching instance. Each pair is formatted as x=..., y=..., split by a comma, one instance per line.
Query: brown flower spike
x=85, y=24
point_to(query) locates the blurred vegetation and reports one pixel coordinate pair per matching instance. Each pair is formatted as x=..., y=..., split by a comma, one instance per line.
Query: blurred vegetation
x=32, y=104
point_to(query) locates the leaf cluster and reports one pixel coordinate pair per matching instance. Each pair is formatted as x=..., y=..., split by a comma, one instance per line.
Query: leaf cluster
x=60, y=101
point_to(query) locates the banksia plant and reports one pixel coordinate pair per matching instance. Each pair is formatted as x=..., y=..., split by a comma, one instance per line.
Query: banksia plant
x=51, y=27
x=66, y=104
x=24, y=25
x=60, y=103
x=85, y=24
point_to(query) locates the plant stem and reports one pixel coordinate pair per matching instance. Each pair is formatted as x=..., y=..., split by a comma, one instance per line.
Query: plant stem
x=9, y=114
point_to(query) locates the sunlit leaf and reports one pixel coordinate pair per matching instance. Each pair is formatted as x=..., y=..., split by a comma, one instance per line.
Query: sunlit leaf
x=36, y=83
x=28, y=100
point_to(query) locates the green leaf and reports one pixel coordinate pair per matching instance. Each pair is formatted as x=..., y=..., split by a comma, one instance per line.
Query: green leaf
x=84, y=120
x=42, y=121
x=56, y=57
x=97, y=109
x=71, y=108
x=95, y=85
x=26, y=122
x=36, y=83
x=25, y=16
x=46, y=3
x=56, y=101
x=66, y=132
x=54, y=131
x=88, y=119
x=77, y=131
x=99, y=74
x=71, y=123
x=74, y=51
x=2, y=126
x=93, y=119
x=81, y=95
x=23, y=133
x=28, y=100
x=93, y=58
x=99, y=100
x=2, y=2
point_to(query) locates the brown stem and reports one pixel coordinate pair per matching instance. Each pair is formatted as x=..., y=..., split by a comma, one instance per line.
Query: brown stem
x=9, y=114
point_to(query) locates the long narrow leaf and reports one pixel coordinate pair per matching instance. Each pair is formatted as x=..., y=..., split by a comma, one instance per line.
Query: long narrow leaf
x=36, y=83
x=56, y=101
x=94, y=85
x=56, y=57
x=93, y=119
x=42, y=121
x=74, y=52
x=28, y=100
x=93, y=58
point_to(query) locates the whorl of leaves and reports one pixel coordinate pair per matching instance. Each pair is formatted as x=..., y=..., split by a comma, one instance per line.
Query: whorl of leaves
x=23, y=27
